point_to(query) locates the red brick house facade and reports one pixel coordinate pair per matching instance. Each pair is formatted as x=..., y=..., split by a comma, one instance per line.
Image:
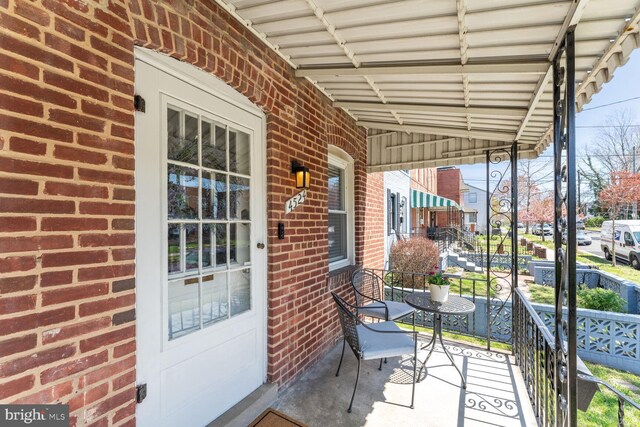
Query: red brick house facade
x=67, y=194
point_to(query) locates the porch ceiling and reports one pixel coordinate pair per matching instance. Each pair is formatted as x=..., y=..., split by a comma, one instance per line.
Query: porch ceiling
x=449, y=78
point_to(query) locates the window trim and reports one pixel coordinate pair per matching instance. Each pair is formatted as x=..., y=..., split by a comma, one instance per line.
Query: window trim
x=342, y=160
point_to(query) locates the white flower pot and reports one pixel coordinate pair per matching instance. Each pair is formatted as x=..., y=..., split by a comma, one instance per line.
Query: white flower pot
x=439, y=293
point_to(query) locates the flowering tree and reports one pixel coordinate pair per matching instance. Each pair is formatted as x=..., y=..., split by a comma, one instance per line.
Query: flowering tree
x=623, y=189
x=541, y=211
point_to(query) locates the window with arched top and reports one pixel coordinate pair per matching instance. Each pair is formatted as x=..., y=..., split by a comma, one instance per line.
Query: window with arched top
x=341, y=209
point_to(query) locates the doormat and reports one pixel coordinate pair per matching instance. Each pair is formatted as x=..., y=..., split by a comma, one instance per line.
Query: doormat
x=273, y=418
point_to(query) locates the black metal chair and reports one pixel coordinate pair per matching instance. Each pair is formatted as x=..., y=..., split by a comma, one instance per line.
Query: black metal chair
x=368, y=288
x=374, y=341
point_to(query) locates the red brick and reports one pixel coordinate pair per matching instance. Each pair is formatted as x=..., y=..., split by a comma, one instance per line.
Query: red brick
x=109, y=304
x=18, y=345
x=53, y=394
x=99, y=240
x=10, y=305
x=37, y=206
x=123, y=254
x=75, y=86
x=79, y=155
x=124, y=349
x=14, y=264
x=44, y=357
x=68, y=369
x=79, y=5
x=123, y=285
x=122, y=71
x=73, y=258
x=18, y=66
x=106, y=339
x=13, y=387
x=75, y=330
x=111, y=50
x=75, y=51
x=18, y=186
x=122, y=132
x=112, y=403
x=27, y=146
x=76, y=120
x=35, y=168
x=28, y=127
x=34, y=243
x=73, y=224
x=126, y=380
x=76, y=190
x=32, y=90
x=35, y=53
x=113, y=22
x=17, y=284
x=88, y=397
x=32, y=321
x=106, y=272
x=99, y=208
x=125, y=412
x=105, y=144
x=22, y=106
x=74, y=293
x=124, y=193
x=123, y=224
x=103, y=112
x=124, y=162
x=33, y=13
x=69, y=30
x=109, y=371
x=56, y=278
x=106, y=176
x=16, y=25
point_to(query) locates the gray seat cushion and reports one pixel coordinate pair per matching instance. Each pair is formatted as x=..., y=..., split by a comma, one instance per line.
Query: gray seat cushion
x=396, y=310
x=375, y=345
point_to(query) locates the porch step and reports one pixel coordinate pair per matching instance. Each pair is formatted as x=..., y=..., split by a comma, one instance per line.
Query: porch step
x=245, y=411
x=464, y=263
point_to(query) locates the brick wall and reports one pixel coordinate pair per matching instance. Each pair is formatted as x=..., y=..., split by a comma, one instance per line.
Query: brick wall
x=448, y=186
x=67, y=329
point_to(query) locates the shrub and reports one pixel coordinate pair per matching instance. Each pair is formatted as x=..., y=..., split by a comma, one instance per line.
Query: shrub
x=600, y=299
x=594, y=221
x=416, y=255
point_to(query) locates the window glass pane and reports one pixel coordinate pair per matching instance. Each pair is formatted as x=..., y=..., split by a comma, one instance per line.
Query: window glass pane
x=214, y=195
x=184, y=307
x=239, y=198
x=337, y=236
x=215, y=306
x=220, y=236
x=179, y=148
x=240, y=282
x=174, y=248
x=214, y=146
x=193, y=251
x=182, y=192
x=336, y=188
x=239, y=243
x=206, y=245
x=239, y=152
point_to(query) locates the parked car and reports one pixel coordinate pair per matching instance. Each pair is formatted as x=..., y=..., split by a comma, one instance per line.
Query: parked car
x=580, y=224
x=546, y=229
x=581, y=238
x=626, y=241
x=521, y=226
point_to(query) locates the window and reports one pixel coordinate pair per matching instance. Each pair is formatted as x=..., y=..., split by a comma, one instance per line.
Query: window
x=473, y=197
x=473, y=217
x=392, y=212
x=341, y=226
x=403, y=215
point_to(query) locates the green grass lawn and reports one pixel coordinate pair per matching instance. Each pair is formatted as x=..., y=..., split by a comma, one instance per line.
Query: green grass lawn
x=603, y=410
x=542, y=294
x=622, y=271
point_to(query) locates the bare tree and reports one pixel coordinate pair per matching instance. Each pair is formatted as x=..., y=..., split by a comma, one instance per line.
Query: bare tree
x=531, y=177
x=612, y=151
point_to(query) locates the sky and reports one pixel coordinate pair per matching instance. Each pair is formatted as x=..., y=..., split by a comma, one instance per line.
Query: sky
x=624, y=85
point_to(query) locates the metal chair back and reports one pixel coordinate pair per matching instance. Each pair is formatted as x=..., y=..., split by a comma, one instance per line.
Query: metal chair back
x=367, y=286
x=348, y=321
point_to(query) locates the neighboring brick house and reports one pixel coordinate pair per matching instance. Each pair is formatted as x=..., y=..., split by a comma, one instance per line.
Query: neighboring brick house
x=450, y=185
x=423, y=180
x=91, y=300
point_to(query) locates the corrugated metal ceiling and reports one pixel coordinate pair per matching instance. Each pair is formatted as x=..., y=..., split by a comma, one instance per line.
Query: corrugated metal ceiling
x=472, y=73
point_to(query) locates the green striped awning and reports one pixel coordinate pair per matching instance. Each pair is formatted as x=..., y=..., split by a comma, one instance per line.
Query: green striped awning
x=420, y=199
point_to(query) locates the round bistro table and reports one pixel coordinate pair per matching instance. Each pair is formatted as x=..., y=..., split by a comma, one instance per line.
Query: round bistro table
x=455, y=305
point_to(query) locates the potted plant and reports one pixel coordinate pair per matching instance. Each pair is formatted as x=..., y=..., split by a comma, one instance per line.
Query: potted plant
x=439, y=287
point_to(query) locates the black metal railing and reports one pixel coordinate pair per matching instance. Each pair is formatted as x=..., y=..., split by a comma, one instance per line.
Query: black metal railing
x=534, y=351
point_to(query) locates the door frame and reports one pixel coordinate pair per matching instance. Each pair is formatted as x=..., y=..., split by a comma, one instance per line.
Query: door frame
x=217, y=88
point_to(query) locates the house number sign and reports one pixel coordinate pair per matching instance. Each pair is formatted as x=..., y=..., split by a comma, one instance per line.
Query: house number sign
x=295, y=201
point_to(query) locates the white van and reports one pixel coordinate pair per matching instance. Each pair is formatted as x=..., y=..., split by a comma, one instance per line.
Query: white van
x=627, y=241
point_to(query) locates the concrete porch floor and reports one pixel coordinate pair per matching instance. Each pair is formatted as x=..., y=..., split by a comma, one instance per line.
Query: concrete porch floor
x=495, y=395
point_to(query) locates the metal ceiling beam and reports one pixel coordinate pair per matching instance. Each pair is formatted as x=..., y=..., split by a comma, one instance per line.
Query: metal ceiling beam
x=433, y=108
x=436, y=130
x=415, y=144
x=521, y=67
x=576, y=9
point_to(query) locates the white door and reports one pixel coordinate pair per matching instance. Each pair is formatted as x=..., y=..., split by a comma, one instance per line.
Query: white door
x=200, y=257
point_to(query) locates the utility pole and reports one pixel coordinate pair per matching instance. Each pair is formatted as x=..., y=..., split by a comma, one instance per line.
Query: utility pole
x=579, y=201
x=634, y=213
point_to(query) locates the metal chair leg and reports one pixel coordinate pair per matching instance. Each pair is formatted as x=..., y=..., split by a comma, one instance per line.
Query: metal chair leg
x=344, y=341
x=415, y=365
x=355, y=387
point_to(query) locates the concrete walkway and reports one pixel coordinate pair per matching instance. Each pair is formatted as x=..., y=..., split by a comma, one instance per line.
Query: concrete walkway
x=495, y=395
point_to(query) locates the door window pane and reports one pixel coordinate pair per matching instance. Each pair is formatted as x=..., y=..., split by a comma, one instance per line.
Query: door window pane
x=214, y=146
x=182, y=192
x=214, y=195
x=220, y=231
x=192, y=251
x=239, y=152
x=207, y=238
x=240, y=282
x=175, y=251
x=215, y=306
x=184, y=307
x=239, y=198
x=182, y=146
x=239, y=243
